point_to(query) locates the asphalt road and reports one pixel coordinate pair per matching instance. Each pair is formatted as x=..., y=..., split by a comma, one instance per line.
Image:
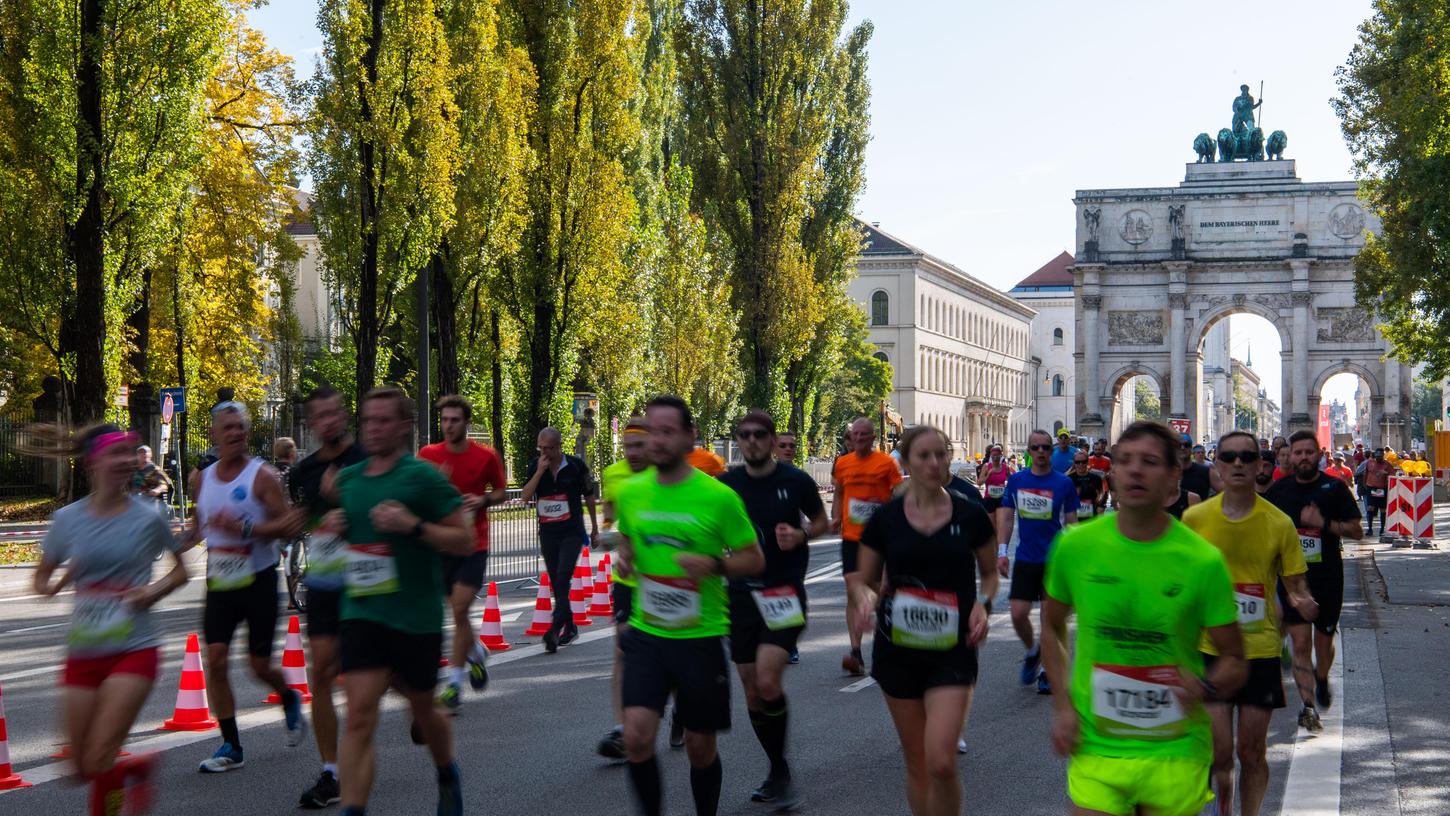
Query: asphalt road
x=526, y=746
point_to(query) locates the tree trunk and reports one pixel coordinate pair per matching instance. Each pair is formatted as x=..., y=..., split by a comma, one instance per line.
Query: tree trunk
x=367, y=309
x=541, y=367
x=495, y=407
x=85, y=239
x=449, y=379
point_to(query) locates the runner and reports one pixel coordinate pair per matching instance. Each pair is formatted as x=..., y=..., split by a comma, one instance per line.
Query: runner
x=636, y=460
x=1100, y=463
x=1145, y=589
x=785, y=447
x=1092, y=491
x=1180, y=503
x=862, y=480
x=993, y=477
x=313, y=490
x=240, y=512
x=1064, y=453
x=1376, y=484
x=1045, y=500
x=561, y=484
x=1198, y=477
x=1339, y=471
x=476, y=472
x=106, y=544
x=684, y=533
x=703, y=458
x=1264, y=476
x=1324, y=511
x=149, y=481
x=398, y=515
x=924, y=653
x=1261, y=548
x=768, y=611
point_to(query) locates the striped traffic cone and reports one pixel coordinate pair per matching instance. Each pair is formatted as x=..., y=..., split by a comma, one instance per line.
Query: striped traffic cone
x=578, y=595
x=9, y=779
x=543, y=608
x=599, y=605
x=491, y=633
x=294, y=664
x=191, y=713
x=609, y=577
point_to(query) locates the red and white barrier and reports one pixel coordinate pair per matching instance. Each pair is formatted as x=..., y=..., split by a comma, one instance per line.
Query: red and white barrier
x=1411, y=508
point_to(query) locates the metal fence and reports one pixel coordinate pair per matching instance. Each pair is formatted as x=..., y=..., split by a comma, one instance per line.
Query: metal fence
x=19, y=474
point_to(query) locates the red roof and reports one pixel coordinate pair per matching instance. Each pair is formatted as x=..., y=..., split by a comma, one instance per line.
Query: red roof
x=1052, y=273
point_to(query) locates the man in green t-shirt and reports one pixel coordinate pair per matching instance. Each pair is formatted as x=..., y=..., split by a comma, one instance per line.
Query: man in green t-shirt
x=684, y=533
x=1145, y=588
x=398, y=514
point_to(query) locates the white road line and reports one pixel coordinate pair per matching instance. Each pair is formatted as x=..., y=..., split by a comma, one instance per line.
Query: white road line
x=5, y=678
x=865, y=682
x=34, y=628
x=1312, y=784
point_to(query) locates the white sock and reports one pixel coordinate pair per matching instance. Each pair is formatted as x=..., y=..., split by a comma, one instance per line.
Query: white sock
x=457, y=675
x=330, y=767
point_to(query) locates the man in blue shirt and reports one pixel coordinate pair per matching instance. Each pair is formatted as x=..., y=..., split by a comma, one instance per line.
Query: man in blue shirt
x=1044, y=500
x=1064, y=452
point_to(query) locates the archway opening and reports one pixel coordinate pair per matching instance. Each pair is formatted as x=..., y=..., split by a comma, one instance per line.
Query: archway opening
x=1138, y=396
x=1239, y=377
x=1346, y=413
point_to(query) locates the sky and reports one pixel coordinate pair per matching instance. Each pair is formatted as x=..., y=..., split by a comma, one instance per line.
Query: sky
x=988, y=116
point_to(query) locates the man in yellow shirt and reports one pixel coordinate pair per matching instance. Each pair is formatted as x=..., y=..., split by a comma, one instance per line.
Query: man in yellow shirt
x=1261, y=546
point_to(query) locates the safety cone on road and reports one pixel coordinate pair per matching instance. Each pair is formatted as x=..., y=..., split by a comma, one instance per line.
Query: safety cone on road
x=191, y=713
x=543, y=608
x=600, y=605
x=65, y=752
x=9, y=779
x=491, y=633
x=294, y=664
x=580, y=590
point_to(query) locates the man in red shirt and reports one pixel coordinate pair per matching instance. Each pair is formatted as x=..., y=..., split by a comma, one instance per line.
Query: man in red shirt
x=477, y=472
x=1339, y=471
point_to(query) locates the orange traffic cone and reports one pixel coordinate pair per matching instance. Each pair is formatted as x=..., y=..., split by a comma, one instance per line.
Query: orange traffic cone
x=65, y=752
x=491, y=633
x=191, y=713
x=9, y=779
x=294, y=665
x=543, y=608
x=600, y=605
x=578, y=594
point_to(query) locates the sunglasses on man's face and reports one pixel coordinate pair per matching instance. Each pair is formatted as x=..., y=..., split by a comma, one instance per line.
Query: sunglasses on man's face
x=786, y=444
x=1039, y=447
x=758, y=433
x=1248, y=457
x=1079, y=461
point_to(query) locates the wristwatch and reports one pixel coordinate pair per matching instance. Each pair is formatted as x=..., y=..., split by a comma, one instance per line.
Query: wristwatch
x=417, y=531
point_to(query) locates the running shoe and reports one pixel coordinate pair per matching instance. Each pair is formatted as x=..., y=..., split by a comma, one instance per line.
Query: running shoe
x=227, y=758
x=551, y=642
x=416, y=734
x=451, y=698
x=677, y=733
x=961, y=745
x=1322, y=694
x=570, y=635
x=1309, y=720
x=478, y=670
x=1043, y=686
x=450, y=792
x=795, y=656
x=138, y=774
x=612, y=746
x=778, y=792
x=296, y=720
x=1031, y=662
x=853, y=663
x=325, y=792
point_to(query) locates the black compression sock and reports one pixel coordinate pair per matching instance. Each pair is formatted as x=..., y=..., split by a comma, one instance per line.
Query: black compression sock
x=229, y=732
x=705, y=785
x=775, y=720
x=645, y=777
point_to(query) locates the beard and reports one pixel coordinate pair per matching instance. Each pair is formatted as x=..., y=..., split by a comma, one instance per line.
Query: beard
x=1263, y=478
x=758, y=462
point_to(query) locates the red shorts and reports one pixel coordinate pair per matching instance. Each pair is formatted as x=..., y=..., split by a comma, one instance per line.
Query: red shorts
x=90, y=672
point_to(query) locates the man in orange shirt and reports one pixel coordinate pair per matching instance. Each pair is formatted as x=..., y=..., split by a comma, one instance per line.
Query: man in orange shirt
x=706, y=460
x=1339, y=471
x=863, y=480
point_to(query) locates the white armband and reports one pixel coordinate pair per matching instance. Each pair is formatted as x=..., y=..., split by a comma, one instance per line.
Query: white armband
x=1001, y=550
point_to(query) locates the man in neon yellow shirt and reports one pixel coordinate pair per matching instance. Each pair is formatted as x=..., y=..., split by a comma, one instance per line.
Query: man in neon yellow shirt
x=685, y=533
x=1145, y=589
x=1261, y=547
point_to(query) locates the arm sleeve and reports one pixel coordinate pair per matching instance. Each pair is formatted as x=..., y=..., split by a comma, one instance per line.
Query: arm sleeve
x=441, y=497
x=1291, y=554
x=1009, y=493
x=810, y=497
x=893, y=476
x=733, y=523
x=1345, y=507
x=981, y=531
x=1059, y=569
x=873, y=535
x=493, y=475
x=55, y=548
x=1219, y=606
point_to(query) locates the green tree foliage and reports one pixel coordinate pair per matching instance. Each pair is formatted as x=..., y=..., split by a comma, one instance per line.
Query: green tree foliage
x=856, y=383
x=1146, y=403
x=774, y=122
x=1392, y=105
x=1424, y=410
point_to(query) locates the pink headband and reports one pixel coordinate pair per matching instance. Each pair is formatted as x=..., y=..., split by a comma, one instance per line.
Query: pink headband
x=104, y=441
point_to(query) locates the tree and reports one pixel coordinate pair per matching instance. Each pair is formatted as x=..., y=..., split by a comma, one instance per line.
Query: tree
x=1146, y=403
x=1392, y=107
x=764, y=87
x=1424, y=410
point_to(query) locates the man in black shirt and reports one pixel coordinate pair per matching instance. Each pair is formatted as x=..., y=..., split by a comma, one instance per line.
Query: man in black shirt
x=1323, y=509
x=768, y=611
x=1090, y=489
x=561, y=484
x=1197, y=476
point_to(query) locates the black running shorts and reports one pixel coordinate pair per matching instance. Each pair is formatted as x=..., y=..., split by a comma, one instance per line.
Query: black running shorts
x=694, y=669
x=1027, y=581
x=413, y=658
x=256, y=604
x=467, y=570
x=324, y=612
x=748, y=631
x=906, y=674
x=1264, y=687
x=1327, y=587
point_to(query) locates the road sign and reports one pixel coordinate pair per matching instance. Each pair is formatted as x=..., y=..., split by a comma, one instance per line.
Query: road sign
x=168, y=408
x=1180, y=426
x=177, y=397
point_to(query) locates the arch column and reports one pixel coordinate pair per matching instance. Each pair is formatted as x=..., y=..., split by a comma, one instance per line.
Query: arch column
x=1302, y=299
x=1178, y=375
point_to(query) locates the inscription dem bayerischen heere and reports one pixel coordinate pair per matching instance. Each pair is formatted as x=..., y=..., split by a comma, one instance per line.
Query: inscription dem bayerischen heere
x=1231, y=224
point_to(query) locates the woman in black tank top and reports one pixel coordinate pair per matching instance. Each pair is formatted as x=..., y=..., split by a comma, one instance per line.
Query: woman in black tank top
x=1185, y=500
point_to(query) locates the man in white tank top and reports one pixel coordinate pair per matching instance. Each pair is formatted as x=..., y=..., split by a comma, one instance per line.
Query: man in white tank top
x=241, y=510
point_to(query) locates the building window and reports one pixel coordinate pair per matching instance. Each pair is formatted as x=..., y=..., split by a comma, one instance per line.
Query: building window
x=881, y=309
x=1056, y=426
x=881, y=355
x=1056, y=386
x=1057, y=337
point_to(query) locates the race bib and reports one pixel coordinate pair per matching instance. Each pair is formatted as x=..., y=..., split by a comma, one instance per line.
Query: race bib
x=669, y=602
x=1085, y=511
x=780, y=607
x=370, y=570
x=1034, y=504
x=326, y=554
x=995, y=491
x=1252, y=606
x=860, y=511
x=1377, y=492
x=101, y=620
x=1137, y=702
x=553, y=509
x=228, y=568
x=1311, y=544
x=925, y=619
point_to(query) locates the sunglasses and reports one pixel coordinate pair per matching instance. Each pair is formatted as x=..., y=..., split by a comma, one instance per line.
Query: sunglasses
x=1039, y=447
x=786, y=444
x=1079, y=461
x=758, y=433
x=1248, y=457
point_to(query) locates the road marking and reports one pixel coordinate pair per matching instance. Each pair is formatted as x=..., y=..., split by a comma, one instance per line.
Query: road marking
x=34, y=628
x=37, y=597
x=1313, y=780
x=5, y=678
x=865, y=682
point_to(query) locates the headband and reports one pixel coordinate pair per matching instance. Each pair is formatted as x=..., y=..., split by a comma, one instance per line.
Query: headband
x=106, y=440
